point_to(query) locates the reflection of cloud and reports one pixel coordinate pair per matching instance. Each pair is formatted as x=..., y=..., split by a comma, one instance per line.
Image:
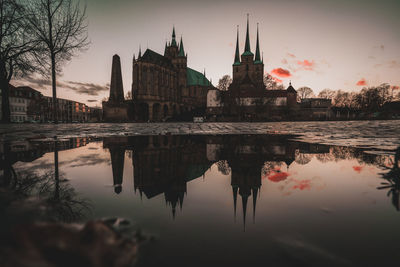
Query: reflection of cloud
x=277, y=176
x=281, y=72
x=302, y=184
x=358, y=168
x=86, y=160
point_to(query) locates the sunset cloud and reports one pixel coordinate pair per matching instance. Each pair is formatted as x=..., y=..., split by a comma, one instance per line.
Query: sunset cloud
x=281, y=73
x=306, y=64
x=361, y=82
x=291, y=55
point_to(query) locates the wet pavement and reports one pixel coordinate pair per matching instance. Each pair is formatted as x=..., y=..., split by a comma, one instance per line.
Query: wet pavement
x=211, y=194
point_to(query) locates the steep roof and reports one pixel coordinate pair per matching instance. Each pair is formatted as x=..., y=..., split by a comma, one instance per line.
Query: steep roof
x=290, y=89
x=194, y=77
x=153, y=57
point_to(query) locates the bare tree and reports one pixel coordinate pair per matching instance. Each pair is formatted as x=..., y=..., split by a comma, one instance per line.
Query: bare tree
x=224, y=83
x=305, y=92
x=16, y=46
x=327, y=94
x=271, y=83
x=61, y=27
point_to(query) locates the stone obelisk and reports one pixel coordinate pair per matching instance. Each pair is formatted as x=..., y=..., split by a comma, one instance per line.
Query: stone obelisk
x=116, y=86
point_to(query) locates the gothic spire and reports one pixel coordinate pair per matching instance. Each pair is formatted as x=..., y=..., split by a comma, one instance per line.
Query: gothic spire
x=237, y=58
x=257, y=59
x=165, y=49
x=247, y=46
x=255, y=191
x=173, y=37
x=181, y=49
x=244, y=205
x=235, y=193
x=140, y=52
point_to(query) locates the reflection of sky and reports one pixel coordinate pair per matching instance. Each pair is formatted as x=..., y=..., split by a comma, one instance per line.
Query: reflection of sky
x=333, y=219
x=335, y=43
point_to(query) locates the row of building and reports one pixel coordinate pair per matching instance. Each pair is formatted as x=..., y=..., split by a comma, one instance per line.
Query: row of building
x=30, y=105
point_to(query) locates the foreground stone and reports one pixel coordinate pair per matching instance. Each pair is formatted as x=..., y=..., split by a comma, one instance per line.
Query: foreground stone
x=53, y=244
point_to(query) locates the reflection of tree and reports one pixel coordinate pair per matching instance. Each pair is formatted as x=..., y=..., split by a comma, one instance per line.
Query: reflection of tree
x=303, y=159
x=393, y=181
x=269, y=166
x=326, y=157
x=223, y=167
x=58, y=198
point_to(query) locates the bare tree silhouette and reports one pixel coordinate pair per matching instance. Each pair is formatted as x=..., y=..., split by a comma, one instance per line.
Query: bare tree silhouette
x=60, y=25
x=16, y=46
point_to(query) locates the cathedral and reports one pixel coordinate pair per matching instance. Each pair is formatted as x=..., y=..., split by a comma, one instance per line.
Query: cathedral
x=247, y=98
x=164, y=88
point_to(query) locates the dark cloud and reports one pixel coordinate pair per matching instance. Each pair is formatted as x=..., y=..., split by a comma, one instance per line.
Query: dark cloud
x=90, y=89
x=92, y=100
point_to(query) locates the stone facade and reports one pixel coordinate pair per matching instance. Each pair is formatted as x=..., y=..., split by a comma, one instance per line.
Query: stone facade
x=165, y=88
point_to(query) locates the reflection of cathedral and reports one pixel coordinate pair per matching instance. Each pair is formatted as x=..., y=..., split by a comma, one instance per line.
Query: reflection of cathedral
x=165, y=164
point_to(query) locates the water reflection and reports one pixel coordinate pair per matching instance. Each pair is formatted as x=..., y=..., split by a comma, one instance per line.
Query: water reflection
x=165, y=164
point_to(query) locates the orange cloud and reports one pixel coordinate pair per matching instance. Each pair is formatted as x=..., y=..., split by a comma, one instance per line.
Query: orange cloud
x=291, y=55
x=357, y=168
x=277, y=176
x=281, y=73
x=302, y=184
x=306, y=64
x=361, y=82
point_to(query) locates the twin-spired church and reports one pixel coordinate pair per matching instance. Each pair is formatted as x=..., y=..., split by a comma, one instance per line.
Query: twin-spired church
x=165, y=88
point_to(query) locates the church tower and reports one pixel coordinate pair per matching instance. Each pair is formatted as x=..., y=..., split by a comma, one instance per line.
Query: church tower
x=247, y=67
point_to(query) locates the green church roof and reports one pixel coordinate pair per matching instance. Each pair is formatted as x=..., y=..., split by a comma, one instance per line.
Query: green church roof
x=194, y=77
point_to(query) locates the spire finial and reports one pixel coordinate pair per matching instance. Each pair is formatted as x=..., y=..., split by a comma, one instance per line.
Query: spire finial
x=173, y=37
x=181, y=49
x=237, y=58
x=140, y=51
x=247, y=46
x=257, y=59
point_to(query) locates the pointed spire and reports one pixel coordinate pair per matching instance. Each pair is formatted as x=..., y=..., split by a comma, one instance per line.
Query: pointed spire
x=173, y=37
x=140, y=51
x=247, y=46
x=257, y=59
x=237, y=58
x=262, y=60
x=181, y=49
x=235, y=193
x=165, y=49
x=255, y=191
x=244, y=205
x=134, y=59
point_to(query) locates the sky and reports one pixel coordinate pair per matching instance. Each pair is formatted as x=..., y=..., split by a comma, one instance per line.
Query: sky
x=336, y=44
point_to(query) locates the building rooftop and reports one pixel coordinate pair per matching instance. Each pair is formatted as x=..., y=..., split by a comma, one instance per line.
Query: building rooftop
x=194, y=77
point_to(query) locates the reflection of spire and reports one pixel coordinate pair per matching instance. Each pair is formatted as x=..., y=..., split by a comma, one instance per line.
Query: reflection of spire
x=117, y=164
x=255, y=191
x=244, y=205
x=235, y=192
